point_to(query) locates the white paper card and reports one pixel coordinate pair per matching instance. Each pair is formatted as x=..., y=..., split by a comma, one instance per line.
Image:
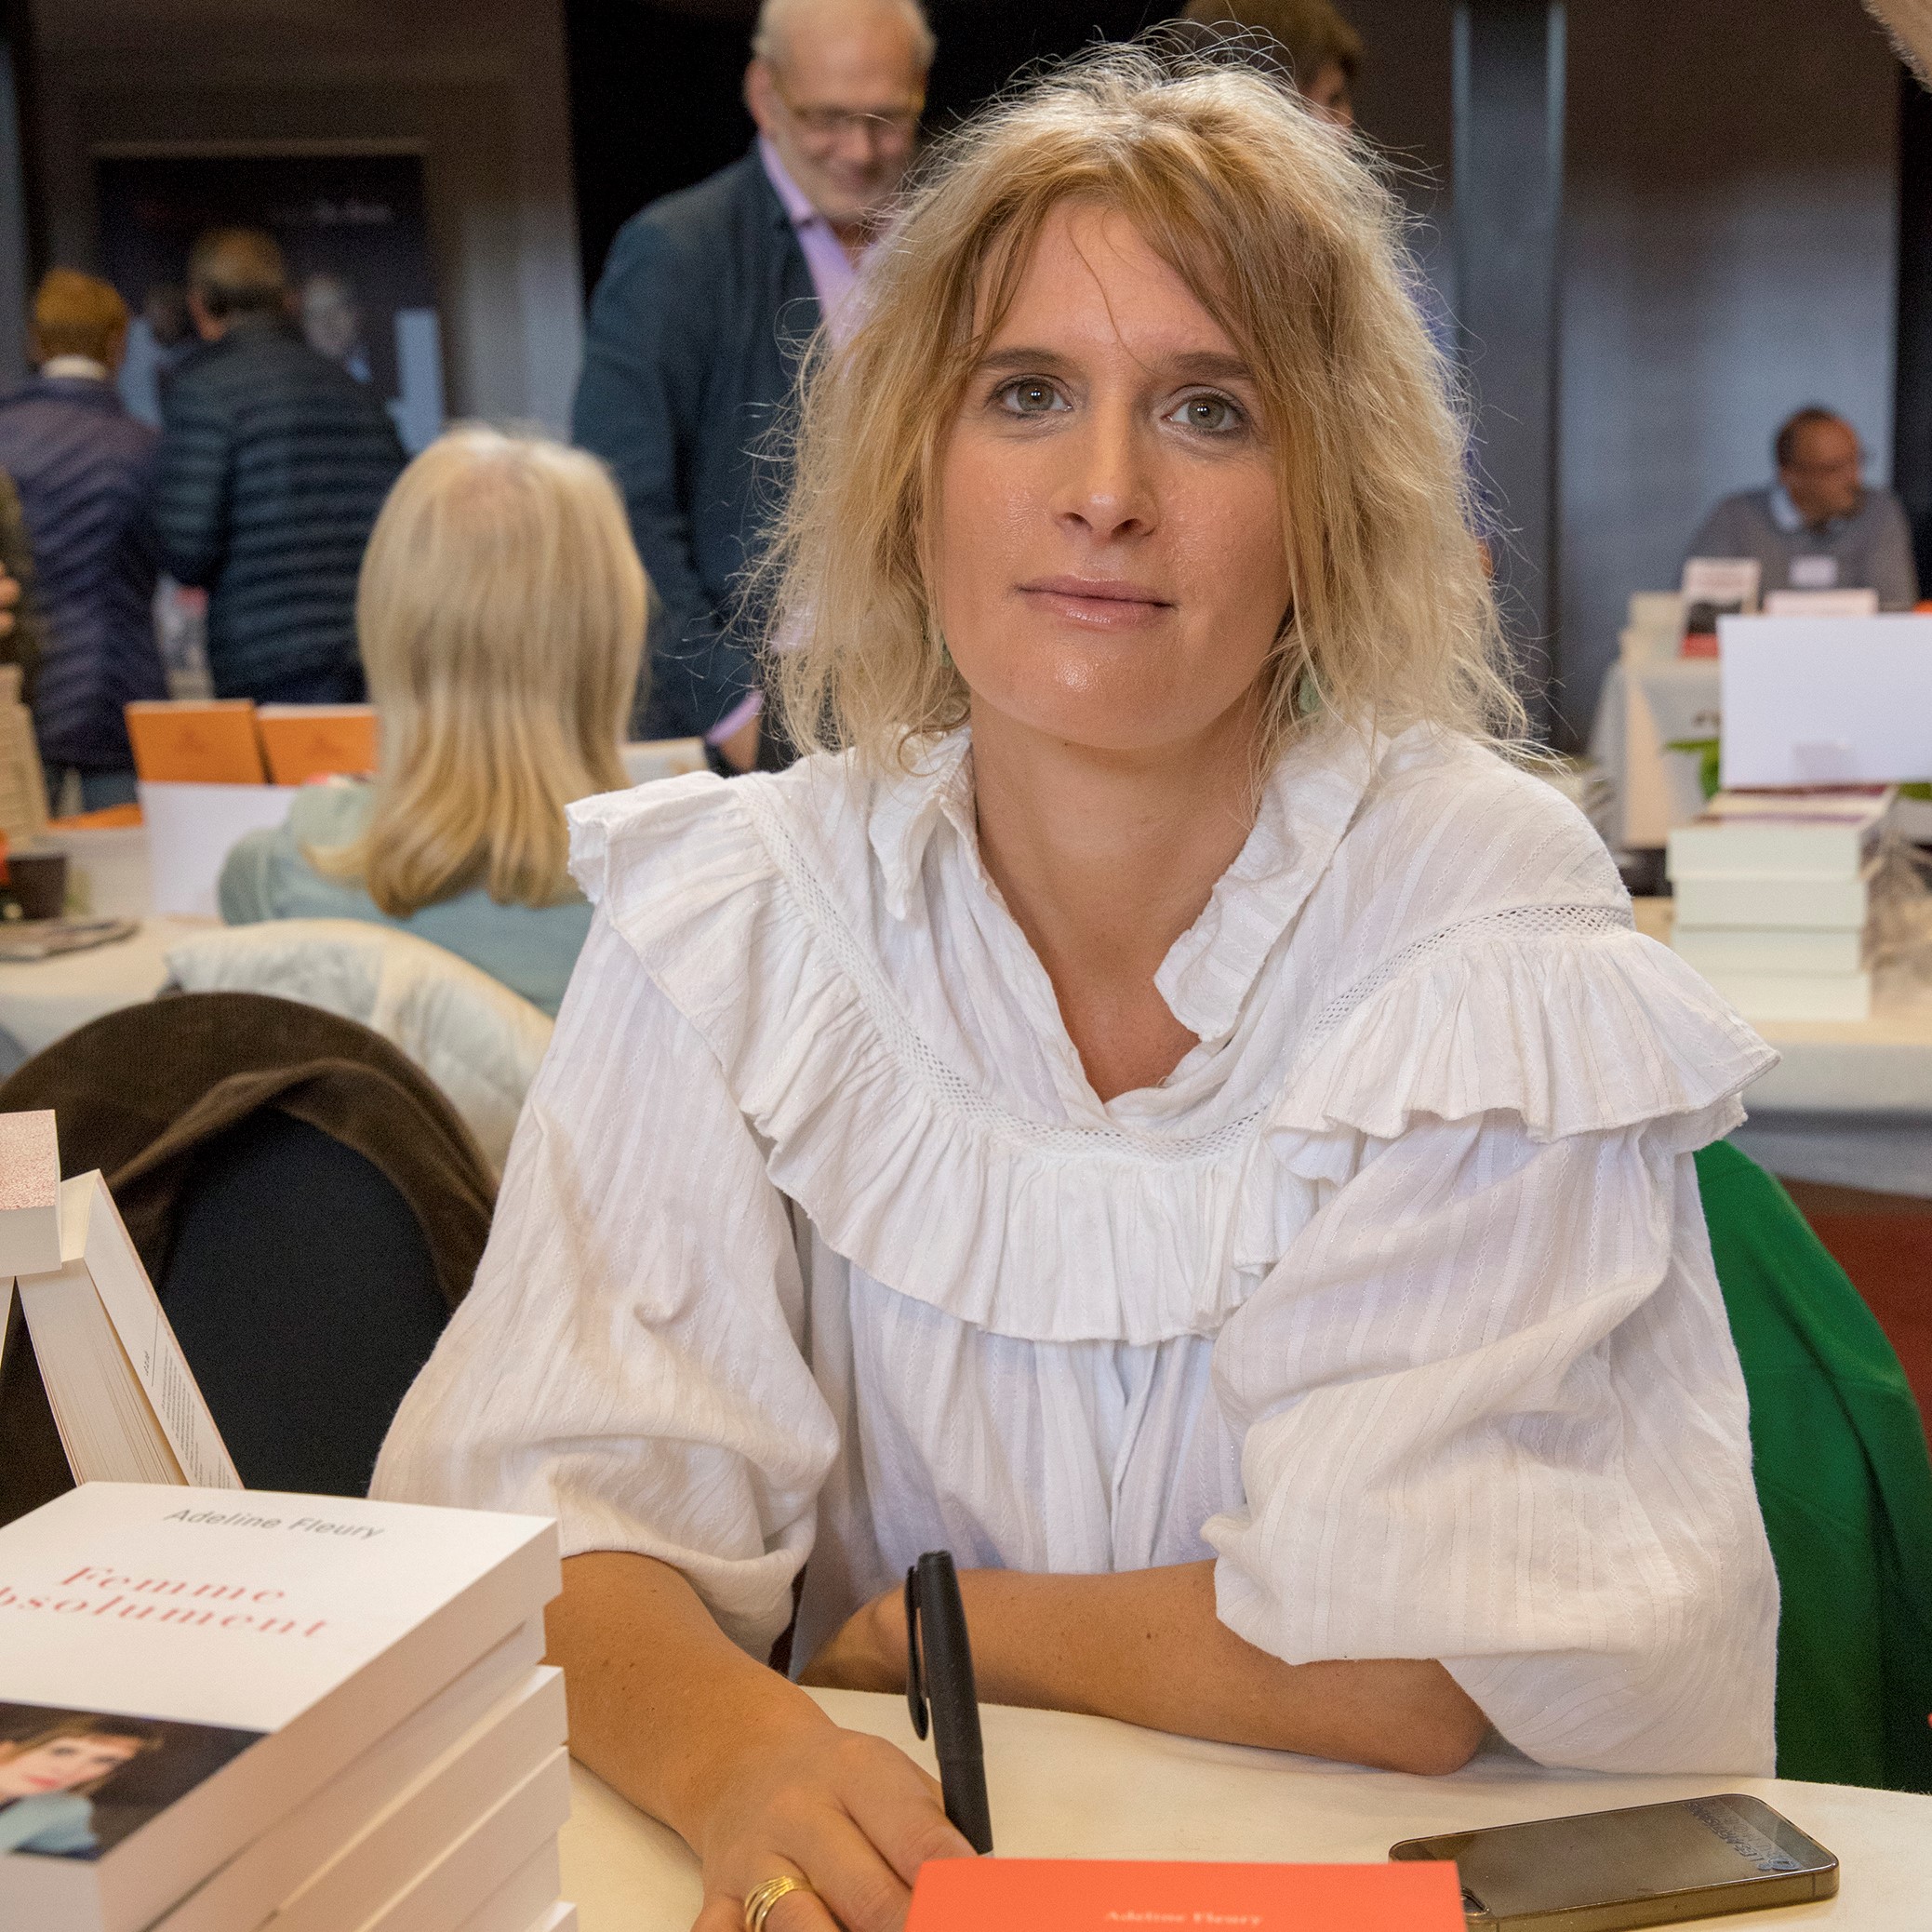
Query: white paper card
x=192, y=828
x=1814, y=572
x=1714, y=585
x=1822, y=602
x=1818, y=700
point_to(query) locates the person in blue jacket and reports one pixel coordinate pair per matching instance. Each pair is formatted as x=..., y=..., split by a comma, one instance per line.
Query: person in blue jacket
x=706, y=302
x=84, y=472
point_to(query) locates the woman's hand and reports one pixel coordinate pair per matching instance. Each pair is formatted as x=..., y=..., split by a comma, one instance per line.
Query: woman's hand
x=745, y=1766
x=851, y=1814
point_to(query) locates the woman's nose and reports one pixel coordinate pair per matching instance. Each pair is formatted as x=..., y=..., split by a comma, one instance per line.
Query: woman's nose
x=1108, y=486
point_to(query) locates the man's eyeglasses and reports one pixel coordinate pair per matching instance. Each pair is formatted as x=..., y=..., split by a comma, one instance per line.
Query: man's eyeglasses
x=878, y=124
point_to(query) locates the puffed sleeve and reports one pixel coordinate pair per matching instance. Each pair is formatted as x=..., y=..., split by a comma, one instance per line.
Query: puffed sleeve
x=1490, y=1410
x=629, y=1357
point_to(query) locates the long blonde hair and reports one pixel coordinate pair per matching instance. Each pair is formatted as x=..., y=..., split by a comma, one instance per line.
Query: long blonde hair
x=501, y=613
x=1291, y=242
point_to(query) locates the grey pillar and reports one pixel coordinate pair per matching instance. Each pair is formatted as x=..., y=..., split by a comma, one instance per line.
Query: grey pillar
x=14, y=268
x=1508, y=104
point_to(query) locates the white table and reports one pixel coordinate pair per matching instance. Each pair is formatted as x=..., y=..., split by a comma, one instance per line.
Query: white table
x=42, y=999
x=1082, y=1787
x=1851, y=1100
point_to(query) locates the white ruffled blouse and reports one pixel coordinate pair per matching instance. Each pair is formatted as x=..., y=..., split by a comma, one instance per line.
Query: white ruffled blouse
x=1394, y=1299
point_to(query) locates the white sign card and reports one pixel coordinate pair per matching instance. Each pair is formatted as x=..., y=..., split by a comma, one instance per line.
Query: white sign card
x=1815, y=570
x=1825, y=701
x=1821, y=604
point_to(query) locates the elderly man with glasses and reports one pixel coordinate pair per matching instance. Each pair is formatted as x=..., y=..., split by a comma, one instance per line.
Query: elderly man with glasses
x=1819, y=526
x=696, y=330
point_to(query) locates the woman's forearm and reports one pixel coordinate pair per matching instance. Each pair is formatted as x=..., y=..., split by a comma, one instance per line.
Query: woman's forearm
x=657, y=1694
x=1146, y=1647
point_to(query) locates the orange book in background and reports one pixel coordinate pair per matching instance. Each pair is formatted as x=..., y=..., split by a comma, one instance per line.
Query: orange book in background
x=1093, y=1895
x=306, y=741
x=206, y=743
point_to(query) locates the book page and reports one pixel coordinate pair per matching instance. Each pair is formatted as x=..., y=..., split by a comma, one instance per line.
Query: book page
x=107, y=1428
x=135, y=1310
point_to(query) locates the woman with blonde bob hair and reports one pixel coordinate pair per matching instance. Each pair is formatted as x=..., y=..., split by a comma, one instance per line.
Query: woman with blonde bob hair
x=1156, y=1104
x=500, y=616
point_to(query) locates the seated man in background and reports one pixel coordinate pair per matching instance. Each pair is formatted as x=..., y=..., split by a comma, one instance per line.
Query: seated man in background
x=501, y=613
x=704, y=307
x=1817, y=527
x=84, y=471
x=274, y=464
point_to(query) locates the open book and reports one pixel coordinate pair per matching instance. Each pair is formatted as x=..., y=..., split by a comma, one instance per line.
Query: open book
x=121, y=1394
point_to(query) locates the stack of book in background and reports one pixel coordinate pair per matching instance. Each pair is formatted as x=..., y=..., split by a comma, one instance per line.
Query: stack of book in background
x=229, y=1710
x=1772, y=896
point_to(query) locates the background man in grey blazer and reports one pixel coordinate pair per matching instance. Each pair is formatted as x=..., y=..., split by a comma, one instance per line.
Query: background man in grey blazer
x=1819, y=526
x=705, y=303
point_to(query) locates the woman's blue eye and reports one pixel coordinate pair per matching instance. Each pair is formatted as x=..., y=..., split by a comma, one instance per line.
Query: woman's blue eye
x=1214, y=414
x=1030, y=396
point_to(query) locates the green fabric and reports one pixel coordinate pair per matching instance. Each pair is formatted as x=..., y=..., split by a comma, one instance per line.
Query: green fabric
x=1845, y=1486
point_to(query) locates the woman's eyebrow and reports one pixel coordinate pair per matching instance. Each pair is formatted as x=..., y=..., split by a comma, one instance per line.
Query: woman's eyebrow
x=1187, y=365
x=1019, y=361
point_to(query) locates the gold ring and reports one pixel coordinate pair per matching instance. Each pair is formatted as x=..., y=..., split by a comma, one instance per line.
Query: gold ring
x=760, y=1899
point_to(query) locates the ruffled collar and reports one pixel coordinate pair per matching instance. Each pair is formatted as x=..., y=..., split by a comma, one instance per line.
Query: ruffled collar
x=1307, y=804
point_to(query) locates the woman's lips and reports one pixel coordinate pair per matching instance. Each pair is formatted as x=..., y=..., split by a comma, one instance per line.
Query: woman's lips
x=1103, y=604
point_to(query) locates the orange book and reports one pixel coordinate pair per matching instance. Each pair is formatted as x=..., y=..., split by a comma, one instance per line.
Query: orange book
x=306, y=741
x=211, y=744
x=1094, y=1894
x=107, y=818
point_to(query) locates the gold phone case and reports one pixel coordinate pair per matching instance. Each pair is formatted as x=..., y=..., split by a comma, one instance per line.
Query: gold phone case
x=1648, y=1865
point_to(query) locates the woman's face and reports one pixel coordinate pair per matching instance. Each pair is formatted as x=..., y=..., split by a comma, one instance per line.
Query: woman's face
x=1109, y=544
x=62, y=1762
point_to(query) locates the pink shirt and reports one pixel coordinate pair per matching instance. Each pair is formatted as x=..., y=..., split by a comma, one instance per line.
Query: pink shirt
x=834, y=273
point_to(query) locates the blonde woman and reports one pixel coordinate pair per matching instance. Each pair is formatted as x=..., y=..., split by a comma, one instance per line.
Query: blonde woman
x=500, y=614
x=1156, y=1105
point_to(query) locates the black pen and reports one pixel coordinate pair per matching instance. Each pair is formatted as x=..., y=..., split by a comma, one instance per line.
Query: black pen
x=940, y=1674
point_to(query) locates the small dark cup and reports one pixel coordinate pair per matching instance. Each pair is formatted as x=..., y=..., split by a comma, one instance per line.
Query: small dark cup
x=39, y=883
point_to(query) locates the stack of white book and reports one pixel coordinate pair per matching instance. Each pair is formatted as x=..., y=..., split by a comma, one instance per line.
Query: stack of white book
x=224, y=1710
x=228, y=1710
x=1773, y=898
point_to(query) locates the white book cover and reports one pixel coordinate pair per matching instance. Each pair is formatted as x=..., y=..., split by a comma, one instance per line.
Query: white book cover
x=123, y=1398
x=484, y=1861
x=1769, y=834
x=1796, y=997
x=179, y=1668
x=1740, y=950
x=291, y=1852
x=1801, y=904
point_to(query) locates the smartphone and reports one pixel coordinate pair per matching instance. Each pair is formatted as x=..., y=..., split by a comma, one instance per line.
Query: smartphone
x=1649, y=1865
